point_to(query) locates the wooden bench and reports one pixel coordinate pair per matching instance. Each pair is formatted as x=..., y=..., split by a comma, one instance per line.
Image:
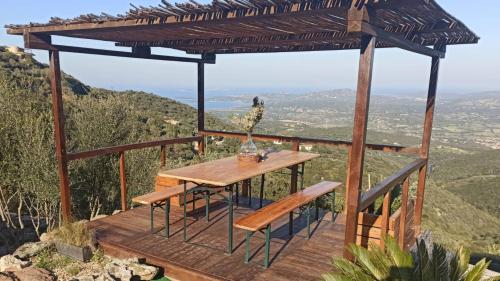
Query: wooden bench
x=263, y=217
x=161, y=199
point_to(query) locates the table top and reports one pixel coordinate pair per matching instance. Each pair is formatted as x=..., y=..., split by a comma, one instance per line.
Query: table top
x=230, y=170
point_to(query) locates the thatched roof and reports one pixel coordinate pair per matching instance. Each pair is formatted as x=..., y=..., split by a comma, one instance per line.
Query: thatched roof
x=248, y=26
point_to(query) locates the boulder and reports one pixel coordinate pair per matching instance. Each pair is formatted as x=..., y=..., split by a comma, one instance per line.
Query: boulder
x=34, y=273
x=118, y=271
x=98, y=217
x=116, y=212
x=142, y=271
x=11, y=263
x=30, y=249
x=95, y=274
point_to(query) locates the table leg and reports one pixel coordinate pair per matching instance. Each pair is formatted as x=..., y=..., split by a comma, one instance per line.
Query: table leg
x=267, y=246
x=185, y=212
x=247, y=246
x=316, y=206
x=230, y=221
x=302, y=176
x=207, y=205
x=237, y=193
x=167, y=218
x=249, y=184
x=333, y=205
x=262, y=181
x=308, y=220
x=290, y=223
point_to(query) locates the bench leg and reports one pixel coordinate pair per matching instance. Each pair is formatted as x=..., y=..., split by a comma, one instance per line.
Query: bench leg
x=316, y=205
x=167, y=218
x=308, y=220
x=237, y=194
x=151, y=217
x=230, y=221
x=333, y=206
x=249, y=193
x=262, y=181
x=267, y=246
x=247, y=246
x=207, y=205
x=185, y=213
x=290, y=223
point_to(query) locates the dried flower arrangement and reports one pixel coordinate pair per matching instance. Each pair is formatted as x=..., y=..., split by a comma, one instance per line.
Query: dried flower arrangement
x=252, y=118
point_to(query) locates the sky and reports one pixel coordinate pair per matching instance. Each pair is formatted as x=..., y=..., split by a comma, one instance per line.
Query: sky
x=466, y=68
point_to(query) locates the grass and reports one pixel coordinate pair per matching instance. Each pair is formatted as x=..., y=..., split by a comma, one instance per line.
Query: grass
x=75, y=234
x=48, y=259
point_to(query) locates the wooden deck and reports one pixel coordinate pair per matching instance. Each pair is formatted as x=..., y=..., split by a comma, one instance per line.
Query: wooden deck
x=292, y=258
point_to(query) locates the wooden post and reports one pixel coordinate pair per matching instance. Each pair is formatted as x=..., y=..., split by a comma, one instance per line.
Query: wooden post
x=123, y=182
x=404, y=212
x=426, y=140
x=357, y=150
x=386, y=213
x=201, y=105
x=60, y=138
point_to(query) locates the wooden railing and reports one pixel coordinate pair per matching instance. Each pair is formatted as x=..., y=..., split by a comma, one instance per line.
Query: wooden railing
x=121, y=149
x=300, y=140
x=384, y=188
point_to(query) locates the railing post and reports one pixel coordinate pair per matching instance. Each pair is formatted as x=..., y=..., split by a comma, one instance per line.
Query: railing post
x=59, y=135
x=386, y=213
x=357, y=151
x=404, y=212
x=123, y=182
x=163, y=156
x=426, y=140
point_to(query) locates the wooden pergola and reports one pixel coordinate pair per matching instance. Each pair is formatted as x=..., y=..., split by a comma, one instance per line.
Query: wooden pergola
x=263, y=26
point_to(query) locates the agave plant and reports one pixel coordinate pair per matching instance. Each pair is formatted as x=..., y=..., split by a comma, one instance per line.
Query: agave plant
x=426, y=263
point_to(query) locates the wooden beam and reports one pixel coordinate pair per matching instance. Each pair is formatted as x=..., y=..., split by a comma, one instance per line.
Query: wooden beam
x=426, y=139
x=357, y=151
x=125, y=147
x=360, y=21
x=59, y=134
x=111, y=53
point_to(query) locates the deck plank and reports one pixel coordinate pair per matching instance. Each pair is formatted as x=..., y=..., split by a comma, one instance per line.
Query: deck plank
x=292, y=258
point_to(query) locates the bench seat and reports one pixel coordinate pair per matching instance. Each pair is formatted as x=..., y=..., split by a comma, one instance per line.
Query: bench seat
x=263, y=217
x=162, y=195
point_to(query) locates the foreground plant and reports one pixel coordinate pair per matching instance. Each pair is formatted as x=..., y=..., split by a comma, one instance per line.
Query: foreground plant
x=393, y=263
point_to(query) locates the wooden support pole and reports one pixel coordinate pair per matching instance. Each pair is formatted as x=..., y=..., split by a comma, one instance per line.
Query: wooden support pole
x=357, y=150
x=60, y=138
x=404, y=212
x=426, y=140
x=123, y=182
x=201, y=105
x=294, y=169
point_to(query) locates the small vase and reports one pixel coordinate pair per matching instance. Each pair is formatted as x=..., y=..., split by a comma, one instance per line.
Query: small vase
x=248, y=150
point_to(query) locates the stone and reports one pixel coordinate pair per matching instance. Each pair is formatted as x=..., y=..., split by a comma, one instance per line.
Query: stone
x=46, y=237
x=30, y=249
x=11, y=263
x=142, y=271
x=116, y=212
x=34, y=273
x=95, y=274
x=8, y=276
x=118, y=271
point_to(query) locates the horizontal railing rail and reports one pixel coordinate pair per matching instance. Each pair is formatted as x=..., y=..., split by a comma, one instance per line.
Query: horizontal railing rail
x=301, y=140
x=388, y=184
x=384, y=188
x=126, y=147
x=121, y=149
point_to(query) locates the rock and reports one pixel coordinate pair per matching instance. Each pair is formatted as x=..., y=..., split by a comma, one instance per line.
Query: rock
x=118, y=271
x=98, y=217
x=116, y=212
x=95, y=274
x=30, y=249
x=34, y=273
x=145, y=272
x=46, y=237
x=8, y=276
x=12, y=263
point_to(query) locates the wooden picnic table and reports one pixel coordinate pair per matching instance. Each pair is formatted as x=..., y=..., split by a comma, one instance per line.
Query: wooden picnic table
x=227, y=172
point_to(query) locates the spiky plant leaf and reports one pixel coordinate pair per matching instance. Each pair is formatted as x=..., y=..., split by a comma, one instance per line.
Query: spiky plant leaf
x=455, y=271
x=477, y=271
x=439, y=263
x=402, y=261
x=348, y=271
x=494, y=278
x=463, y=258
x=422, y=262
x=373, y=261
